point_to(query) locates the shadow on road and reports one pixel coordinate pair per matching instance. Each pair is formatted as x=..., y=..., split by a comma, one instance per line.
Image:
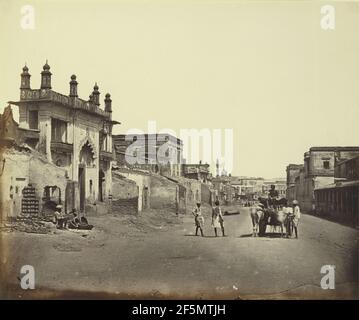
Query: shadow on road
x=273, y=235
x=267, y=235
x=205, y=236
x=249, y=235
x=231, y=213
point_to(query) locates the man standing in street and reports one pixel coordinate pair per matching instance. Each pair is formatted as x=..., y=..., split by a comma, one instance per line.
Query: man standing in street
x=217, y=218
x=272, y=196
x=198, y=218
x=297, y=215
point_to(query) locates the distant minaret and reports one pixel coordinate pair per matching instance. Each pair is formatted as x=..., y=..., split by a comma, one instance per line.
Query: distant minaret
x=46, y=77
x=73, y=87
x=217, y=168
x=25, y=78
x=108, y=103
x=96, y=95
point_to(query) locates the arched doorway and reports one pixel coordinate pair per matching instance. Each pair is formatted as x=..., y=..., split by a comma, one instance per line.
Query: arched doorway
x=86, y=159
x=87, y=154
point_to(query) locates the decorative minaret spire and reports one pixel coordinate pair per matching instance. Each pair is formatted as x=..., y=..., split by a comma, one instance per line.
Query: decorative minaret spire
x=25, y=78
x=96, y=95
x=217, y=168
x=108, y=103
x=73, y=87
x=46, y=77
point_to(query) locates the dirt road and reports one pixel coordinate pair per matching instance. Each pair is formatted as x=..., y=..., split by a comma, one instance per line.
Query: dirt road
x=157, y=255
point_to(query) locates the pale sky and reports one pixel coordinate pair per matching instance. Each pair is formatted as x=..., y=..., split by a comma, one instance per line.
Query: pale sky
x=265, y=69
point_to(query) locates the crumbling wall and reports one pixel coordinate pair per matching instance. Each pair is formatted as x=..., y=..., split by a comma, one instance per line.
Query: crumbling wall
x=21, y=168
x=134, y=178
x=156, y=191
x=193, y=190
x=123, y=188
x=43, y=173
x=164, y=193
x=206, y=194
x=14, y=170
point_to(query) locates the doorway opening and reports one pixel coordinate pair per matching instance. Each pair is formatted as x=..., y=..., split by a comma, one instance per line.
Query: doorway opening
x=81, y=180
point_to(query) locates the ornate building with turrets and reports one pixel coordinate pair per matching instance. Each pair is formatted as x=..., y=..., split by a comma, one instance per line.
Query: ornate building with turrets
x=73, y=133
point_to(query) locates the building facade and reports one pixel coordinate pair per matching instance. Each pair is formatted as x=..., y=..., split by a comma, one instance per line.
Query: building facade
x=247, y=187
x=340, y=199
x=73, y=133
x=222, y=189
x=198, y=172
x=280, y=185
x=292, y=171
x=158, y=153
x=317, y=172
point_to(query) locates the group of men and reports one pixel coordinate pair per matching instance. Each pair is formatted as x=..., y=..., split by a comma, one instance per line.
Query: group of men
x=217, y=219
x=291, y=214
x=72, y=221
x=287, y=215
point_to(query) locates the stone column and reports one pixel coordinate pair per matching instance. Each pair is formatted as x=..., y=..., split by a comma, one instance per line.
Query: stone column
x=75, y=151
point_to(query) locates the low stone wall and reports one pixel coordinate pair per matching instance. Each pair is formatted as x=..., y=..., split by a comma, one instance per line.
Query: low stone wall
x=123, y=188
x=153, y=191
x=125, y=206
x=130, y=183
x=43, y=173
x=156, y=191
x=164, y=193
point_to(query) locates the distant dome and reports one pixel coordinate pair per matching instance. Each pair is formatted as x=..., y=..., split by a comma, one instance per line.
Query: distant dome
x=73, y=77
x=95, y=87
x=25, y=69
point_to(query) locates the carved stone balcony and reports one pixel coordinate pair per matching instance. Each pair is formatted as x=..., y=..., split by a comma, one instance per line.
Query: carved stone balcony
x=106, y=156
x=61, y=147
x=29, y=134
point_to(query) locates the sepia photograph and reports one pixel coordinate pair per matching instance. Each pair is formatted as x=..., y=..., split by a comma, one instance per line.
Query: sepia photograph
x=179, y=150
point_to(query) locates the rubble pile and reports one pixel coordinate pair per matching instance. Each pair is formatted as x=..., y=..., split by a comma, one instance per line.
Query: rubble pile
x=28, y=225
